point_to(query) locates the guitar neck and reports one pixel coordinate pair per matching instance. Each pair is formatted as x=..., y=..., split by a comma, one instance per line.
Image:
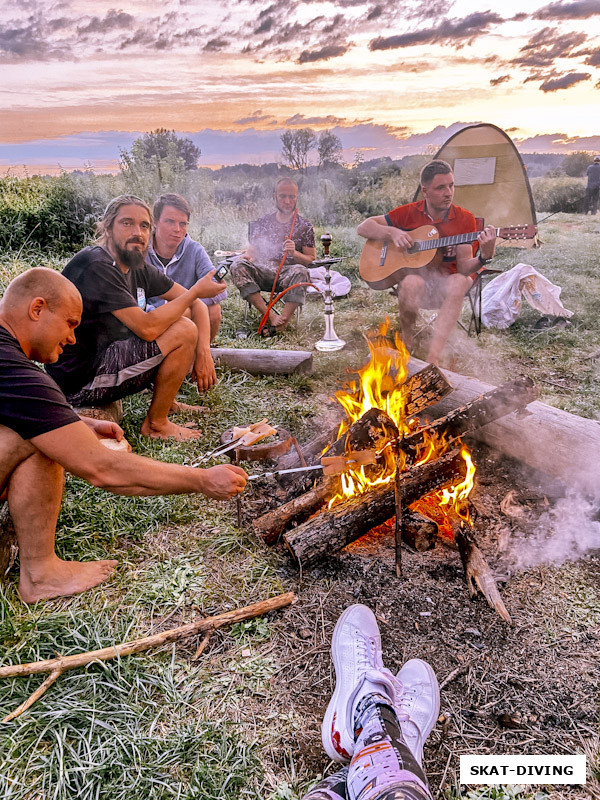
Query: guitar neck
x=447, y=241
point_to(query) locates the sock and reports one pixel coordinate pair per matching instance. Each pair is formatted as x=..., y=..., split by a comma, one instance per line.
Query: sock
x=383, y=767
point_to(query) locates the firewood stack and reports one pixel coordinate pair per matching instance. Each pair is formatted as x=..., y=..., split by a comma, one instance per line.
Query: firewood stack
x=311, y=531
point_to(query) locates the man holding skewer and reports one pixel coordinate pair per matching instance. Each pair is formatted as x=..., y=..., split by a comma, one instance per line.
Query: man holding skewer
x=41, y=436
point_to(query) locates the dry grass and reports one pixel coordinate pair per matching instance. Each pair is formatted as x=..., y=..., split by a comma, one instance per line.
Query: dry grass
x=244, y=720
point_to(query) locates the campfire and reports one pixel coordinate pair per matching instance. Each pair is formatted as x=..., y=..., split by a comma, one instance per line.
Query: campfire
x=382, y=386
x=419, y=475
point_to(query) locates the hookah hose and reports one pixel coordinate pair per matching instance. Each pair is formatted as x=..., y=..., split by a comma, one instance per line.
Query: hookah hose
x=276, y=299
x=272, y=301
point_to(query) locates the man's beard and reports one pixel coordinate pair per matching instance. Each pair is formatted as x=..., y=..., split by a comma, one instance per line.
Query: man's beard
x=134, y=259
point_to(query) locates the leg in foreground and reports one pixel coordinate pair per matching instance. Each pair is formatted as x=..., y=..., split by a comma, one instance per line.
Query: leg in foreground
x=411, y=291
x=34, y=493
x=456, y=288
x=379, y=720
x=178, y=345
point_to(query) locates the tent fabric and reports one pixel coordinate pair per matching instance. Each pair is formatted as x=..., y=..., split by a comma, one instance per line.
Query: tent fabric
x=478, y=153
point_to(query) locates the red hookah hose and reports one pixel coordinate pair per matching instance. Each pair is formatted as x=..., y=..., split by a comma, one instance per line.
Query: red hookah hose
x=272, y=302
x=276, y=299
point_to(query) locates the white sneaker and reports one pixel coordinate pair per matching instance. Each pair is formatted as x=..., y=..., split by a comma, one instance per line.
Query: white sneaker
x=418, y=706
x=356, y=654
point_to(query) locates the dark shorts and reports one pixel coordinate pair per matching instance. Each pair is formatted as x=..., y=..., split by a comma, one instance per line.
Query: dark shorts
x=127, y=367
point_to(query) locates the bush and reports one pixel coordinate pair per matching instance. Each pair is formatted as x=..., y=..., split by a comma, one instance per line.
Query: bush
x=558, y=194
x=52, y=214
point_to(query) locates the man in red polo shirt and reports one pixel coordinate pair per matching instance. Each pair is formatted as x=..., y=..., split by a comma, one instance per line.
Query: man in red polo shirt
x=444, y=282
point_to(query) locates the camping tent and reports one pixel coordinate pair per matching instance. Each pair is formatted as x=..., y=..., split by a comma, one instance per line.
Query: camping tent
x=490, y=178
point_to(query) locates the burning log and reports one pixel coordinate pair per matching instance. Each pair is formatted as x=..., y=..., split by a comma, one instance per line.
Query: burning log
x=328, y=532
x=425, y=387
x=372, y=431
x=418, y=531
x=272, y=524
x=498, y=402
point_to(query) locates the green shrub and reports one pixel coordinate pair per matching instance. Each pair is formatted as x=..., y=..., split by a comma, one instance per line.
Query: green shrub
x=558, y=194
x=52, y=214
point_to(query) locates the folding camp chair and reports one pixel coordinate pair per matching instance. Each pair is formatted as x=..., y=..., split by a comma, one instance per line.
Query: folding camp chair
x=474, y=293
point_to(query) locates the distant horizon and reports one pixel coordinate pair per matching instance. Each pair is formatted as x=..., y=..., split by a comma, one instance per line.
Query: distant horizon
x=34, y=162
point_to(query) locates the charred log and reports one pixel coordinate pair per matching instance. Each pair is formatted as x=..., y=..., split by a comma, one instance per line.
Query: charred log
x=328, y=532
x=272, y=524
x=499, y=402
x=477, y=571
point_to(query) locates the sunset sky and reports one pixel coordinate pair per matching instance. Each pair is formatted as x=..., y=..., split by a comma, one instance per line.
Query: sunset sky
x=82, y=79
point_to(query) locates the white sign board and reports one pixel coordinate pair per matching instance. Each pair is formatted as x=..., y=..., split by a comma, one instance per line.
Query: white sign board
x=474, y=171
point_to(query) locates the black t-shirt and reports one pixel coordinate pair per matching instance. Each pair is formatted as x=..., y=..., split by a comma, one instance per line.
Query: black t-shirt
x=30, y=401
x=104, y=289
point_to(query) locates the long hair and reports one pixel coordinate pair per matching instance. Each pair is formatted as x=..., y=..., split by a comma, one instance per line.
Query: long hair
x=104, y=225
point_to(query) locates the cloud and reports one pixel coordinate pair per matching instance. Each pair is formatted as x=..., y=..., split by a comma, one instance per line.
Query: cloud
x=301, y=119
x=449, y=30
x=256, y=116
x=324, y=54
x=500, y=79
x=111, y=21
x=214, y=45
x=544, y=47
x=375, y=13
x=565, y=81
x=594, y=59
x=577, y=9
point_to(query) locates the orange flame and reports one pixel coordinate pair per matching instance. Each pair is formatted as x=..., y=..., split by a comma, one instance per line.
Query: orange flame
x=381, y=384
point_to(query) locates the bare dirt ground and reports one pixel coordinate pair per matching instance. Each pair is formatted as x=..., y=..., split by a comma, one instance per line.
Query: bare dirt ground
x=530, y=687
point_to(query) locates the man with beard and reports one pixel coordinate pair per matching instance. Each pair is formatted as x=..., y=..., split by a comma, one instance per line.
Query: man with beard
x=281, y=233
x=121, y=349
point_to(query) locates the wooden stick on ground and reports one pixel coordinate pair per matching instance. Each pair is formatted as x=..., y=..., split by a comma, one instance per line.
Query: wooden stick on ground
x=56, y=666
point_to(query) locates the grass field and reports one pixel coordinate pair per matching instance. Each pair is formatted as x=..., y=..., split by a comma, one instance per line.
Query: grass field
x=158, y=725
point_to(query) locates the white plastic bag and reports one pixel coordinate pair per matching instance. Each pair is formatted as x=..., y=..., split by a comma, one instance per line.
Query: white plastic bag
x=340, y=284
x=501, y=299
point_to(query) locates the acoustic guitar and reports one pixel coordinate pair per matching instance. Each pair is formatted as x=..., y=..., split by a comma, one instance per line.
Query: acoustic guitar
x=381, y=261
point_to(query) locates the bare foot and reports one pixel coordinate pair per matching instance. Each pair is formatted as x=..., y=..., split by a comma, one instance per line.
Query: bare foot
x=276, y=320
x=58, y=578
x=168, y=430
x=183, y=408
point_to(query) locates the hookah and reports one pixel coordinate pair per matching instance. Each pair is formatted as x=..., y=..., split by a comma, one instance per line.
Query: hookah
x=330, y=341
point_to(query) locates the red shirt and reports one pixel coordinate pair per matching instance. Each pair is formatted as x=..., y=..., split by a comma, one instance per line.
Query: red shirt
x=413, y=215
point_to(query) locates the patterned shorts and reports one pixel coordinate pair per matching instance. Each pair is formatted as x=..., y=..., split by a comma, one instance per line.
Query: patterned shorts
x=127, y=367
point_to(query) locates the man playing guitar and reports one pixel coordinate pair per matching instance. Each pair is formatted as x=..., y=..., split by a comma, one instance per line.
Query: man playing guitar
x=444, y=282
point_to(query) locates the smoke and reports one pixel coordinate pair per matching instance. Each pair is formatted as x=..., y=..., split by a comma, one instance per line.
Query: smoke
x=567, y=532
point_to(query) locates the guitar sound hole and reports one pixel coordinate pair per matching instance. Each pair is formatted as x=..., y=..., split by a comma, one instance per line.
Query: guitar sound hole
x=414, y=248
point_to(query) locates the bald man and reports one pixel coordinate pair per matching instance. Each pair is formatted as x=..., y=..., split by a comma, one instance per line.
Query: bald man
x=41, y=436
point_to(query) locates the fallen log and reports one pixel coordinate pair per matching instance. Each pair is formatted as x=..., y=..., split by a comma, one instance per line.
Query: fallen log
x=511, y=396
x=56, y=666
x=562, y=445
x=327, y=533
x=264, y=362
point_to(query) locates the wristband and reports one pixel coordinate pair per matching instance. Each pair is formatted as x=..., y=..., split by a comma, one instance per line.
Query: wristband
x=483, y=261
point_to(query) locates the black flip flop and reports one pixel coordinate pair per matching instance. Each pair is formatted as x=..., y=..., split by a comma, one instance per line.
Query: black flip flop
x=268, y=330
